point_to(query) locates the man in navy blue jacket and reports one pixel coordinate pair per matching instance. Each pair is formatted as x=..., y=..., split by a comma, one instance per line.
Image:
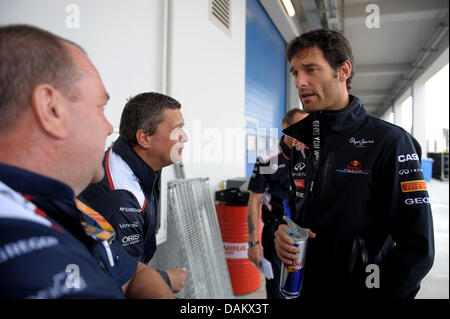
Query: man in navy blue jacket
x=52, y=137
x=269, y=186
x=359, y=190
x=151, y=137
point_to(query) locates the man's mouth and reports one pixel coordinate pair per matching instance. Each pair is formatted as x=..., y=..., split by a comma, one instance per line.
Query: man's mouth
x=306, y=95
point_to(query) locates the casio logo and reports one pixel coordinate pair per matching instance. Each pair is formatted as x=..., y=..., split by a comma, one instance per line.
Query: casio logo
x=408, y=157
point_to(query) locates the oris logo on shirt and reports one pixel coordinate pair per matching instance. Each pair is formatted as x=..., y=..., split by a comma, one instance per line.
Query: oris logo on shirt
x=408, y=157
x=131, y=240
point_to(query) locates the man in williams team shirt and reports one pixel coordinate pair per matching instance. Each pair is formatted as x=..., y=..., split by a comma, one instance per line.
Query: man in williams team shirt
x=52, y=137
x=269, y=185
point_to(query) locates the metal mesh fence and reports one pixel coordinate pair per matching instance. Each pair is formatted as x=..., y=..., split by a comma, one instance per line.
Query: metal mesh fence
x=194, y=241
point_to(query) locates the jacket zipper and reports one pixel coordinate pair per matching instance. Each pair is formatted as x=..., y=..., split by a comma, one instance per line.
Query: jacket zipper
x=325, y=180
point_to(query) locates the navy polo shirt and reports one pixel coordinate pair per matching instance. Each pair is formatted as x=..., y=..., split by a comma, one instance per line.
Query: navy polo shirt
x=271, y=176
x=45, y=251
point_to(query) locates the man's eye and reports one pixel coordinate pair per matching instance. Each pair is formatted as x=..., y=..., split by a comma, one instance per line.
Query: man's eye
x=294, y=74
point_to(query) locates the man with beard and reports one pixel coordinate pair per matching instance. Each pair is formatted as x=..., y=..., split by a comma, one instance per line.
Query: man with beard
x=371, y=229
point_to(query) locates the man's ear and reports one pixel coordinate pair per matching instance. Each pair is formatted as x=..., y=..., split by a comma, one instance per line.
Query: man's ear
x=51, y=110
x=144, y=139
x=345, y=70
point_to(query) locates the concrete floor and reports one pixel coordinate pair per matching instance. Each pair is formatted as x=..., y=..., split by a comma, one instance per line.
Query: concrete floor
x=436, y=284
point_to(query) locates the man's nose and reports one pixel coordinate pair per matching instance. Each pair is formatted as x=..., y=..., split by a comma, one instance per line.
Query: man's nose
x=301, y=80
x=184, y=136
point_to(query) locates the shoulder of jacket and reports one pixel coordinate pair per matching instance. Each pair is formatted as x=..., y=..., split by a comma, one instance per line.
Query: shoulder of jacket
x=387, y=126
x=121, y=177
x=14, y=206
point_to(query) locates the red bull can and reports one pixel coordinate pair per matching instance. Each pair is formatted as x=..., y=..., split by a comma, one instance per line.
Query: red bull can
x=291, y=277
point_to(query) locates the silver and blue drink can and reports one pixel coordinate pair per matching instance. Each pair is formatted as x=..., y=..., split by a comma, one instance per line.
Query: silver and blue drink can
x=292, y=275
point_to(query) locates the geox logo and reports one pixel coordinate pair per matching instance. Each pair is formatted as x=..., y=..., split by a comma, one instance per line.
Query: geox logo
x=130, y=210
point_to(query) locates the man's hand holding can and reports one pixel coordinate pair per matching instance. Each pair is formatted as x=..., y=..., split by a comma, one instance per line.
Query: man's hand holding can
x=284, y=245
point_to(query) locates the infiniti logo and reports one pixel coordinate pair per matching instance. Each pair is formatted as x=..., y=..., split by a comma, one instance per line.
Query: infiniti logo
x=299, y=166
x=403, y=171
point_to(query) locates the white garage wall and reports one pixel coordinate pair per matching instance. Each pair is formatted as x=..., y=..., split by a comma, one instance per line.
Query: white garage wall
x=206, y=67
x=206, y=73
x=122, y=39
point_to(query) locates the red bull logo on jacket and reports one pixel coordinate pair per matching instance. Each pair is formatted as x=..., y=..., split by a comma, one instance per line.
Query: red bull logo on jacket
x=354, y=167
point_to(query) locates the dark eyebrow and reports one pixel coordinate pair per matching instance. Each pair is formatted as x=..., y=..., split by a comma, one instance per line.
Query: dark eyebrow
x=309, y=65
x=180, y=125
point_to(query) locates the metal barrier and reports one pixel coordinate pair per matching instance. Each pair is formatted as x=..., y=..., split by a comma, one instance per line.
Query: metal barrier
x=194, y=241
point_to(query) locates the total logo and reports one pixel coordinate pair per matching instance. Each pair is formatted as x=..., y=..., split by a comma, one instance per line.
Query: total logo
x=417, y=201
x=408, y=157
x=299, y=183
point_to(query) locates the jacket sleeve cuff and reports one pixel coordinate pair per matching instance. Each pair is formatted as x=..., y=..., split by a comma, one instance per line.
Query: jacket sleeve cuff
x=165, y=277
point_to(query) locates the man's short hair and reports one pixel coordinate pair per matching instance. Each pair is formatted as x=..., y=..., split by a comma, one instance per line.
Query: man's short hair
x=288, y=118
x=334, y=45
x=144, y=111
x=30, y=56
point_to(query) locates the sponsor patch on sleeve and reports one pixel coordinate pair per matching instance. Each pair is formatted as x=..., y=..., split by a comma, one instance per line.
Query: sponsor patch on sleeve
x=414, y=186
x=299, y=183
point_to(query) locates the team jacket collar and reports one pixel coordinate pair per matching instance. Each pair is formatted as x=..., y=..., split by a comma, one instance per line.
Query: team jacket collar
x=331, y=122
x=29, y=183
x=141, y=169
